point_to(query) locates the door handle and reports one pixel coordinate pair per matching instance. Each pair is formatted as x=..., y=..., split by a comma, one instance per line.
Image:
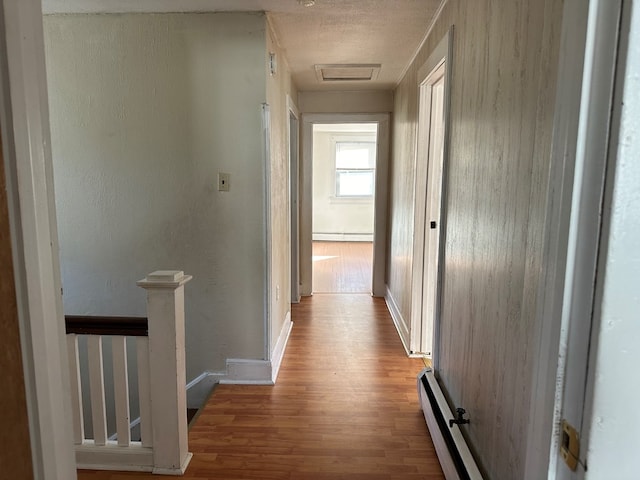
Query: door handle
x=433, y=225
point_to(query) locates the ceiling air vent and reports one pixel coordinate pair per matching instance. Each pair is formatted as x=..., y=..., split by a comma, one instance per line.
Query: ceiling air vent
x=347, y=73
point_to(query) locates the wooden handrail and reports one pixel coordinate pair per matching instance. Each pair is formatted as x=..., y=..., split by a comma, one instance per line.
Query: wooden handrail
x=99, y=325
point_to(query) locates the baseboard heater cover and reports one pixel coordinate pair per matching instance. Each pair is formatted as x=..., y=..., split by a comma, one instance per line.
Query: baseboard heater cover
x=452, y=450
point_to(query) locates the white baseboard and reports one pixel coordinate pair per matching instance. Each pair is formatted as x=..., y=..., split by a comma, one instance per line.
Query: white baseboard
x=241, y=371
x=398, y=321
x=343, y=237
x=278, y=351
x=199, y=388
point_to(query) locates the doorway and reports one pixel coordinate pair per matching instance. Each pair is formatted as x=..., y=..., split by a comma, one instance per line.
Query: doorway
x=346, y=183
x=429, y=193
x=294, y=195
x=344, y=170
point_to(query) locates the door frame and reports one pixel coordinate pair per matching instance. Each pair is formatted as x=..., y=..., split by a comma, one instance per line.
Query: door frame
x=378, y=285
x=573, y=225
x=442, y=54
x=24, y=121
x=294, y=197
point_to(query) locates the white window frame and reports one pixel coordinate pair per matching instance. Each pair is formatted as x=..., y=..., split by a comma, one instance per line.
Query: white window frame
x=337, y=139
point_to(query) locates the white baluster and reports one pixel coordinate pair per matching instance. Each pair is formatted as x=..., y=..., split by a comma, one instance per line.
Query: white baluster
x=76, y=390
x=96, y=384
x=121, y=389
x=165, y=309
x=144, y=394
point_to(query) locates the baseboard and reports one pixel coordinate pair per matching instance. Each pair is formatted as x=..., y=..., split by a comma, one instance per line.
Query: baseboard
x=278, y=351
x=398, y=321
x=241, y=371
x=343, y=237
x=199, y=388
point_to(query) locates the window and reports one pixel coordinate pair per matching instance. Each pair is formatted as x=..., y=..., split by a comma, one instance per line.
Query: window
x=355, y=169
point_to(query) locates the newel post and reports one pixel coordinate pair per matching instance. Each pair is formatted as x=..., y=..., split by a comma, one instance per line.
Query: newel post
x=167, y=382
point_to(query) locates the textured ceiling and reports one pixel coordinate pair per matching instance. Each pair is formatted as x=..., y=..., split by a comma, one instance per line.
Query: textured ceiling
x=385, y=32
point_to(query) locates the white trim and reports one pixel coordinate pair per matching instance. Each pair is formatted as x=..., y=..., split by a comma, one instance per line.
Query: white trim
x=400, y=323
x=343, y=237
x=609, y=431
x=558, y=211
x=378, y=286
x=434, y=19
x=268, y=277
x=586, y=220
x=174, y=471
x=134, y=458
x=293, y=172
x=291, y=107
x=241, y=371
x=25, y=125
x=278, y=351
x=198, y=391
x=441, y=55
x=575, y=97
x=199, y=388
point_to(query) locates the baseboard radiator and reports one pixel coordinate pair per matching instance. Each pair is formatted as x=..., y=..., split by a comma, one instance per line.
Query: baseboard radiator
x=452, y=450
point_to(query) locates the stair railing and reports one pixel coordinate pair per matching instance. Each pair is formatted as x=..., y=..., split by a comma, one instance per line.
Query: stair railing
x=160, y=352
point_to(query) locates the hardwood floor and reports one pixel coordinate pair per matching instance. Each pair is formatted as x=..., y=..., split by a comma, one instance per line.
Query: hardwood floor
x=345, y=407
x=342, y=267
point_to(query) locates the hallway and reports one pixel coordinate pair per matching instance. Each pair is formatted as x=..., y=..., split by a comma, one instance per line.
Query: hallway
x=345, y=407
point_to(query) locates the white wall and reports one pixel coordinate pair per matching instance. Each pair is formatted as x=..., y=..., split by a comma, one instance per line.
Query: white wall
x=145, y=111
x=337, y=218
x=614, y=422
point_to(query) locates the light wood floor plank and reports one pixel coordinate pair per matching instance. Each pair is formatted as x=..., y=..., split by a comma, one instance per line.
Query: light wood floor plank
x=345, y=407
x=342, y=267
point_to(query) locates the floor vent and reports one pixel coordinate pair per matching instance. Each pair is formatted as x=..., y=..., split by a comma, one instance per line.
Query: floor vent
x=452, y=450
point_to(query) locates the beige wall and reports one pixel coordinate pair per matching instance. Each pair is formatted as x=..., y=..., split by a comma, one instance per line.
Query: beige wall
x=366, y=101
x=145, y=111
x=278, y=87
x=503, y=86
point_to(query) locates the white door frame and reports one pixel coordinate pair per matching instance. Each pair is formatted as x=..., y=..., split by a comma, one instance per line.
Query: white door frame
x=294, y=197
x=24, y=115
x=574, y=201
x=586, y=220
x=441, y=55
x=378, y=286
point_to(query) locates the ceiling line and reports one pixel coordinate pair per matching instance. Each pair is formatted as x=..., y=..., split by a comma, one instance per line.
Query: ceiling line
x=435, y=18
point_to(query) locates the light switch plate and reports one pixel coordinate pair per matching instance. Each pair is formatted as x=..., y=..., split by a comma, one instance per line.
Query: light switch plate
x=224, y=182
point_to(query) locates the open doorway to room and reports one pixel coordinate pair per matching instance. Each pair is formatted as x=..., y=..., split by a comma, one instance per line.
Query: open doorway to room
x=429, y=215
x=344, y=172
x=355, y=149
